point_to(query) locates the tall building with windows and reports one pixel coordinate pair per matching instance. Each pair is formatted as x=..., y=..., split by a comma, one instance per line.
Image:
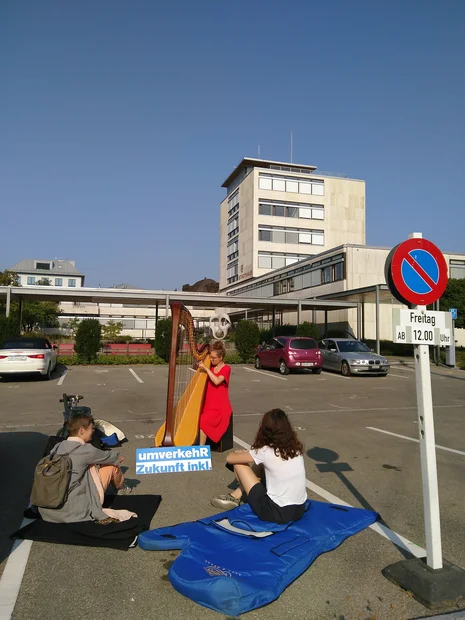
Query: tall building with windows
x=277, y=213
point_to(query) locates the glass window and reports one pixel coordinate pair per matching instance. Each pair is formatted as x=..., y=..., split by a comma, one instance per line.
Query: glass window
x=72, y=282
x=318, y=189
x=303, y=343
x=264, y=209
x=292, y=186
x=264, y=183
x=264, y=235
x=318, y=239
x=290, y=260
x=279, y=185
x=292, y=237
x=339, y=271
x=305, y=188
x=457, y=271
x=315, y=277
x=279, y=211
x=326, y=275
x=264, y=262
x=43, y=266
x=305, y=212
x=292, y=212
x=278, y=261
x=279, y=236
x=318, y=214
x=58, y=281
x=31, y=280
x=305, y=238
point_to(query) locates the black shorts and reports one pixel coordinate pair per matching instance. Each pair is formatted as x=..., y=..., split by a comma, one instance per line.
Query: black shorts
x=267, y=510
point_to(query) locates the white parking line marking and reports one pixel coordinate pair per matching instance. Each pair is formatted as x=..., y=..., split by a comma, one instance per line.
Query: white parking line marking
x=267, y=374
x=135, y=375
x=13, y=575
x=380, y=430
x=338, y=406
x=332, y=374
x=62, y=378
x=384, y=531
x=391, y=374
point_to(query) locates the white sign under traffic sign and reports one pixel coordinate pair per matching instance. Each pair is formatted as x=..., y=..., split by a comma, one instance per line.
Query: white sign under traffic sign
x=420, y=326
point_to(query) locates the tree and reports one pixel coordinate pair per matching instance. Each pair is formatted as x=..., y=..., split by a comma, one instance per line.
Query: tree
x=309, y=330
x=163, y=339
x=88, y=340
x=112, y=330
x=246, y=337
x=44, y=282
x=37, y=314
x=454, y=297
x=8, y=328
x=9, y=278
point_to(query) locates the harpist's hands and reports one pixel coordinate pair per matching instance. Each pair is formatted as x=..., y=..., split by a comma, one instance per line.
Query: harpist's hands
x=201, y=366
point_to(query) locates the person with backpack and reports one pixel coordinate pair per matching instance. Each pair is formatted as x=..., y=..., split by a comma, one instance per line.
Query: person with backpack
x=91, y=473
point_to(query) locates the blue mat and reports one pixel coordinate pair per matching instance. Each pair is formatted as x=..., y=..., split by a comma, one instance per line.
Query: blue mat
x=233, y=572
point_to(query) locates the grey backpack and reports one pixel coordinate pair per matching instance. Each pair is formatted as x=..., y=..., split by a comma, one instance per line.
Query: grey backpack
x=52, y=476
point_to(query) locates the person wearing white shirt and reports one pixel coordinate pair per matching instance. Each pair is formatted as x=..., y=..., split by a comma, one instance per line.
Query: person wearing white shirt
x=278, y=453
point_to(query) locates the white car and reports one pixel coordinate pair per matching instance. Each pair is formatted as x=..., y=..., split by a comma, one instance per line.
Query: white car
x=28, y=355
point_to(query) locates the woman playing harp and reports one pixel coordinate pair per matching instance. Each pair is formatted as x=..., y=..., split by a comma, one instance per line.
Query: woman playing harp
x=185, y=390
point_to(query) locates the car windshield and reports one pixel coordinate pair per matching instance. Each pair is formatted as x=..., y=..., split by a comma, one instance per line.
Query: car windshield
x=304, y=343
x=25, y=344
x=352, y=346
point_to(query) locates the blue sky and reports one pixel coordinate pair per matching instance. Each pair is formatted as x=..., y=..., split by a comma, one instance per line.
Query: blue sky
x=120, y=119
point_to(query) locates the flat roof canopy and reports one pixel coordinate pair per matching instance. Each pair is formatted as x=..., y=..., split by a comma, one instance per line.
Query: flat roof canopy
x=153, y=298
x=364, y=294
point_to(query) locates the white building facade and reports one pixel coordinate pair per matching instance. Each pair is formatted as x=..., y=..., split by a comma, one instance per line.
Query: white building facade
x=276, y=214
x=61, y=273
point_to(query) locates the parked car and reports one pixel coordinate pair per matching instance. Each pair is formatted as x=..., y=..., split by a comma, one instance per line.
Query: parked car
x=352, y=357
x=28, y=355
x=290, y=353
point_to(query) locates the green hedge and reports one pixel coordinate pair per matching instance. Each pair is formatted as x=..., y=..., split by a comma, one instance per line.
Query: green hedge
x=127, y=360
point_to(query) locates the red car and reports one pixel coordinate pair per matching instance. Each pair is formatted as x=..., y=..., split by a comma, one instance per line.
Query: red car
x=290, y=353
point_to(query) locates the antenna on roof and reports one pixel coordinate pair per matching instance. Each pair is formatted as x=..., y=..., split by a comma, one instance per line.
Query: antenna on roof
x=291, y=147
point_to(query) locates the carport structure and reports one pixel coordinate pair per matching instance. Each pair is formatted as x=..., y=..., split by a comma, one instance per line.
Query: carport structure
x=240, y=307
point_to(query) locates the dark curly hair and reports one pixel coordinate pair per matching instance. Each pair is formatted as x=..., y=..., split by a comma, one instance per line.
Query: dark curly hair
x=276, y=432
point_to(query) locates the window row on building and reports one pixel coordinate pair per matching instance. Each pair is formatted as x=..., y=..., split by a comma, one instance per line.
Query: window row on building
x=279, y=183
x=233, y=272
x=31, y=280
x=457, y=268
x=290, y=209
x=276, y=260
x=290, y=235
x=233, y=249
x=233, y=203
x=233, y=227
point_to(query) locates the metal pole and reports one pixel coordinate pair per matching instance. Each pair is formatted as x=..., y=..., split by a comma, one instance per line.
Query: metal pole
x=359, y=314
x=156, y=318
x=428, y=455
x=299, y=313
x=245, y=314
x=167, y=307
x=378, y=346
x=8, y=301
x=326, y=323
x=363, y=320
x=273, y=322
x=20, y=313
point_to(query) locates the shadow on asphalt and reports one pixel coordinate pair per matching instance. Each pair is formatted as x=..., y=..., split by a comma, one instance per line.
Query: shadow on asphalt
x=327, y=463
x=19, y=454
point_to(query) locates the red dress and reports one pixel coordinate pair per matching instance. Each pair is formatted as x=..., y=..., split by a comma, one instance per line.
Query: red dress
x=216, y=410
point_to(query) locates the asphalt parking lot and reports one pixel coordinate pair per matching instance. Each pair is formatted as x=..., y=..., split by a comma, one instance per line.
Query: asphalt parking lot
x=359, y=435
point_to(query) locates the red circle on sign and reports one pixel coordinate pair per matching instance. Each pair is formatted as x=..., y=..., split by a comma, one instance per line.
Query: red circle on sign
x=433, y=280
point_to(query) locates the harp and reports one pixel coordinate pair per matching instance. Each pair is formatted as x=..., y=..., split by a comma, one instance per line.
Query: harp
x=185, y=388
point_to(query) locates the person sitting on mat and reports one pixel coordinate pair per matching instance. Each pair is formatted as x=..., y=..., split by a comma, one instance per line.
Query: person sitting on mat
x=216, y=411
x=95, y=469
x=278, y=452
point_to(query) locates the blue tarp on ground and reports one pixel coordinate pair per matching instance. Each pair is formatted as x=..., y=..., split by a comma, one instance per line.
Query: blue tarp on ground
x=235, y=572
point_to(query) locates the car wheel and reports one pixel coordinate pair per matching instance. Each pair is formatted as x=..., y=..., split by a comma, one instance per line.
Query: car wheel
x=283, y=369
x=345, y=369
x=316, y=371
x=48, y=376
x=258, y=363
